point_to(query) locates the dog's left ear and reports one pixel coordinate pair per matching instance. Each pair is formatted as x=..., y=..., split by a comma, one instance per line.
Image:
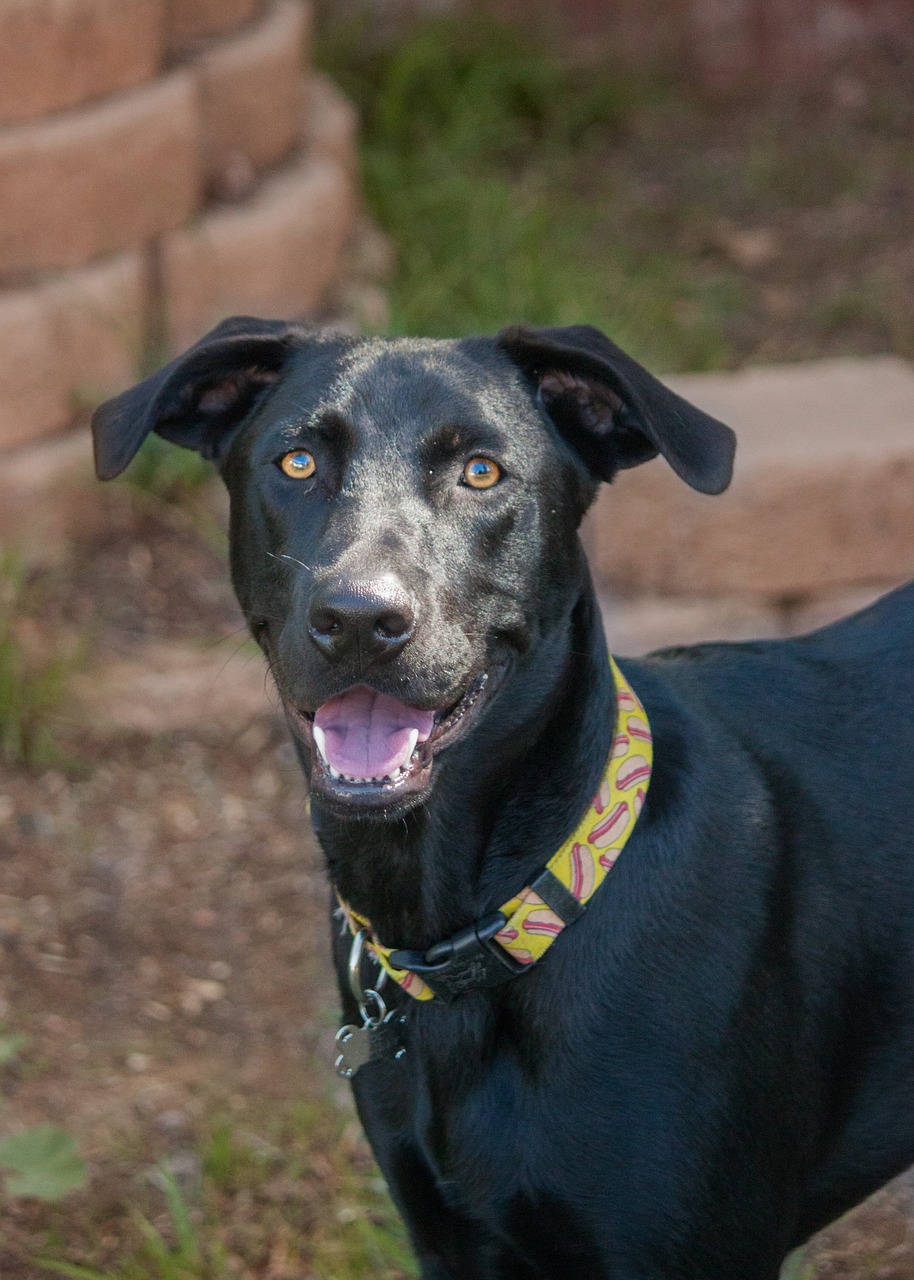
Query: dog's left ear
x=197, y=400
x=613, y=412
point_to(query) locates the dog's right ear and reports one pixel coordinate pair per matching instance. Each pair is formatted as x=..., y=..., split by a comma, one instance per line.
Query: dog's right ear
x=198, y=399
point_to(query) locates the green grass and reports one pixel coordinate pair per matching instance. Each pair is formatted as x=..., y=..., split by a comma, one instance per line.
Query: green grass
x=166, y=471
x=30, y=686
x=181, y=1258
x=517, y=187
x=297, y=1195
x=477, y=148
x=796, y=1269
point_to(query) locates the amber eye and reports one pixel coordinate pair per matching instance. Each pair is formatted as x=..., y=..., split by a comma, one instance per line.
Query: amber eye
x=481, y=473
x=299, y=464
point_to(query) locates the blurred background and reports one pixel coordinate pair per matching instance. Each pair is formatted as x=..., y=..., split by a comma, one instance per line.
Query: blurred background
x=725, y=186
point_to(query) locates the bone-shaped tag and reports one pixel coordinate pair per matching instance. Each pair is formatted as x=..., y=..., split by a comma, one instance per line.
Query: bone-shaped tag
x=371, y=1042
x=355, y=1046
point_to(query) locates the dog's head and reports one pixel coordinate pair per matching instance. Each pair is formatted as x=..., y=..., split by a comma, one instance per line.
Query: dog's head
x=404, y=516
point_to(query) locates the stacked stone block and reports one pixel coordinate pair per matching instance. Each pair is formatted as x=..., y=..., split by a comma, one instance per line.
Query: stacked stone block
x=162, y=163
x=819, y=518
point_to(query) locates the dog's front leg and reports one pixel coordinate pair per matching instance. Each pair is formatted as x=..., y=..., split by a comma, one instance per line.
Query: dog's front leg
x=448, y=1242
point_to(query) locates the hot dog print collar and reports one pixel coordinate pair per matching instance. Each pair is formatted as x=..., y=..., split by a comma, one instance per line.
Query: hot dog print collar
x=510, y=940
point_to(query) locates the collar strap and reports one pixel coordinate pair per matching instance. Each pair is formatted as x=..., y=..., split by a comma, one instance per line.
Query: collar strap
x=509, y=941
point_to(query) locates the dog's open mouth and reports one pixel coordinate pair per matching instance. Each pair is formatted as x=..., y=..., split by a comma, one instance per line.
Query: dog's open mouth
x=369, y=750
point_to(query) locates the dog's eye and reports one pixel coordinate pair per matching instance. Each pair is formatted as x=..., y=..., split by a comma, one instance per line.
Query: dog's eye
x=299, y=464
x=481, y=473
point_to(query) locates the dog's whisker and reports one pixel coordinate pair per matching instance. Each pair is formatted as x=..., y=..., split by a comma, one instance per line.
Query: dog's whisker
x=292, y=560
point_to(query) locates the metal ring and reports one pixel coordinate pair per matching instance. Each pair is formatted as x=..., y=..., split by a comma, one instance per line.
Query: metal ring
x=375, y=1019
x=356, y=952
x=355, y=966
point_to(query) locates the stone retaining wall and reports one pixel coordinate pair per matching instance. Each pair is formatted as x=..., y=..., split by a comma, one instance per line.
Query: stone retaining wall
x=162, y=163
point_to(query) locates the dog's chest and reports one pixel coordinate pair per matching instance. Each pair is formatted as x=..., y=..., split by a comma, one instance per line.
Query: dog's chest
x=493, y=1137
x=503, y=1154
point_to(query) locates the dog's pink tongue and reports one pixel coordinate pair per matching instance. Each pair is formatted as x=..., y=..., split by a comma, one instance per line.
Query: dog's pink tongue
x=369, y=734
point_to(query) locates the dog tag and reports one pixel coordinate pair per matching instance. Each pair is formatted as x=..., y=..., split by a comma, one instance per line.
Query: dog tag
x=355, y=1045
x=371, y=1042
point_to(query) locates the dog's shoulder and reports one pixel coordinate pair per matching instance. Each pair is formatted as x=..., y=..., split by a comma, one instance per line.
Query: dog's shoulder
x=822, y=701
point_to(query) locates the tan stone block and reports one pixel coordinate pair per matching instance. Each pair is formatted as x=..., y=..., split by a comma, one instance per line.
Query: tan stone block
x=643, y=624
x=46, y=497
x=67, y=344
x=190, y=20
x=99, y=179
x=251, y=91
x=822, y=610
x=59, y=53
x=33, y=384
x=174, y=687
x=823, y=494
x=331, y=123
x=273, y=256
x=100, y=325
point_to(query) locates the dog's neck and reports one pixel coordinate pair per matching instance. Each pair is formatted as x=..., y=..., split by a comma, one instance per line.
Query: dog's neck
x=505, y=799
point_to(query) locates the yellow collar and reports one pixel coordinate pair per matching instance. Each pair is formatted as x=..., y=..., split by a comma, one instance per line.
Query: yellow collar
x=525, y=927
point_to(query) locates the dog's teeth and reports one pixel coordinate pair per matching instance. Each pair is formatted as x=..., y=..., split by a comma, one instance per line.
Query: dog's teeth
x=399, y=772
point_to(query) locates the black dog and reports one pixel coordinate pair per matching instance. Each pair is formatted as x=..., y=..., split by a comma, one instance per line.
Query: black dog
x=717, y=1059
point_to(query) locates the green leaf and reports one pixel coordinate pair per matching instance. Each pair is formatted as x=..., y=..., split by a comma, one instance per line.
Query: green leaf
x=10, y=1046
x=45, y=1163
x=70, y=1269
x=187, y=1239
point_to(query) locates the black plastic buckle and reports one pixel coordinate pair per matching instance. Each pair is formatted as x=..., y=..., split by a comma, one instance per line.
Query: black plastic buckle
x=469, y=961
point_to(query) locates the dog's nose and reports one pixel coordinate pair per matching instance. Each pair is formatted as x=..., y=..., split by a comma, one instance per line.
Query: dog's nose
x=372, y=619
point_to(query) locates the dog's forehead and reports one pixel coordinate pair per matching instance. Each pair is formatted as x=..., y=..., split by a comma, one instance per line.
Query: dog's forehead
x=413, y=384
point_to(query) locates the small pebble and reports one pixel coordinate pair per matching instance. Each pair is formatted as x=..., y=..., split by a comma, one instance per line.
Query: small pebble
x=173, y=1121
x=156, y=1010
